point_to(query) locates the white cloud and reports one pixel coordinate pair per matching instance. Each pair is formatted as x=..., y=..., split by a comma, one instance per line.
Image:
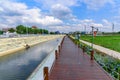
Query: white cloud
x=106, y=22
x=105, y=25
x=12, y=7
x=86, y=21
x=61, y=12
x=91, y=4
x=116, y=22
x=49, y=20
x=97, y=25
x=49, y=3
x=90, y=22
x=117, y=18
x=14, y=13
x=3, y=26
x=64, y=28
x=96, y=4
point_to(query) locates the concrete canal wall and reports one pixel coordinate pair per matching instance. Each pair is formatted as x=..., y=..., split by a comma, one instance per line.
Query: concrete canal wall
x=11, y=45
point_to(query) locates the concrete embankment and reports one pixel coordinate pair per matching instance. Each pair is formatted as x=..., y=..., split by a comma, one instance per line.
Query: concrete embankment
x=11, y=45
x=104, y=50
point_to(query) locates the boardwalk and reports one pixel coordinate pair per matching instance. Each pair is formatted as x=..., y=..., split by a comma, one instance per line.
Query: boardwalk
x=72, y=64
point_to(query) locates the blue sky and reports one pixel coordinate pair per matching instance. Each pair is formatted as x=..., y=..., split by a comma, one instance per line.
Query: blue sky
x=65, y=16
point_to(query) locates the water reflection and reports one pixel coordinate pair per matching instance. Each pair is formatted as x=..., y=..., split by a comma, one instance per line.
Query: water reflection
x=20, y=65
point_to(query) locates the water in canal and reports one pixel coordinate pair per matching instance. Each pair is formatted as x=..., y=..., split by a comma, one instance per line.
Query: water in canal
x=20, y=65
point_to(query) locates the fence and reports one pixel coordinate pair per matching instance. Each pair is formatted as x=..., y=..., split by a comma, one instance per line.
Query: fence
x=43, y=70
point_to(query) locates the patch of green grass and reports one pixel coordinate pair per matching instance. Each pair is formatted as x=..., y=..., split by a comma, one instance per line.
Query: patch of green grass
x=111, y=42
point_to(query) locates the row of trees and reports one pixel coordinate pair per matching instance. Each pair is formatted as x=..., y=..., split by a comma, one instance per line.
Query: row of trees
x=21, y=29
x=1, y=32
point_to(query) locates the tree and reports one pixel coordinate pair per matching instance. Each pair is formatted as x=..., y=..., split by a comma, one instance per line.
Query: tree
x=52, y=32
x=20, y=29
x=30, y=30
x=11, y=30
x=1, y=32
x=35, y=31
x=45, y=31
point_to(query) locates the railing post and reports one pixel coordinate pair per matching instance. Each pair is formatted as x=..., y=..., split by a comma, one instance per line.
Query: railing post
x=56, y=55
x=61, y=45
x=92, y=55
x=83, y=49
x=59, y=49
x=46, y=73
x=62, y=40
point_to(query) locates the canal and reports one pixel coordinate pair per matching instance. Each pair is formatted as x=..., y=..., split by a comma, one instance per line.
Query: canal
x=20, y=65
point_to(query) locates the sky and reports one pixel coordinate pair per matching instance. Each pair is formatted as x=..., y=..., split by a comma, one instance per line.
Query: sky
x=61, y=15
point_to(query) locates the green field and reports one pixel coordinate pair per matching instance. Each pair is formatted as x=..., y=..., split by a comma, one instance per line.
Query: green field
x=111, y=42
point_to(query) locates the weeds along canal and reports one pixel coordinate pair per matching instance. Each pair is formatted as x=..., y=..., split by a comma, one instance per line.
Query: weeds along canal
x=20, y=65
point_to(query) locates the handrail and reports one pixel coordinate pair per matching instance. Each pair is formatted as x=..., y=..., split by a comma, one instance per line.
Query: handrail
x=38, y=73
x=46, y=73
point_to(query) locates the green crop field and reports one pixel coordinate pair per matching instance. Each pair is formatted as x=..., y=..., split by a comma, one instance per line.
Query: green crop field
x=111, y=42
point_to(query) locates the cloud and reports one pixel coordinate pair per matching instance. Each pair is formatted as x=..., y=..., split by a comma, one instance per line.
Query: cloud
x=50, y=21
x=58, y=17
x=91, y=4
x=49, y=3
x=106, y=22
x=64, y=28
x=116, y=21
x=98, y=25
x=14, y=13
x=13, y=8
x=86, y=21
x=104, y=25
x=61, y=12
x=96, y=4
x=2, y=25
x=89, y=22
x=117, y=17
x=59, y=9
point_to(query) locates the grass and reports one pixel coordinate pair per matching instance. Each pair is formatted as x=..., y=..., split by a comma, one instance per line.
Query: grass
x=111, y=42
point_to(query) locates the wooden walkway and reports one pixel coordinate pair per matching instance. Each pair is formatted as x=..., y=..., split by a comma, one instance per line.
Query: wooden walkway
x=72, y=64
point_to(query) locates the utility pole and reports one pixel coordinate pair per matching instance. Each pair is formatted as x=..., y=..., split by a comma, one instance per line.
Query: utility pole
x=26, y=30
x=85, y=28
x=92, y=37
x=42, y=30
x=92, y=52
x=113, y=27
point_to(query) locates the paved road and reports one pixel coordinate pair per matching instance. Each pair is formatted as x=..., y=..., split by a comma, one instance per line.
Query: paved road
x=107, y=51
